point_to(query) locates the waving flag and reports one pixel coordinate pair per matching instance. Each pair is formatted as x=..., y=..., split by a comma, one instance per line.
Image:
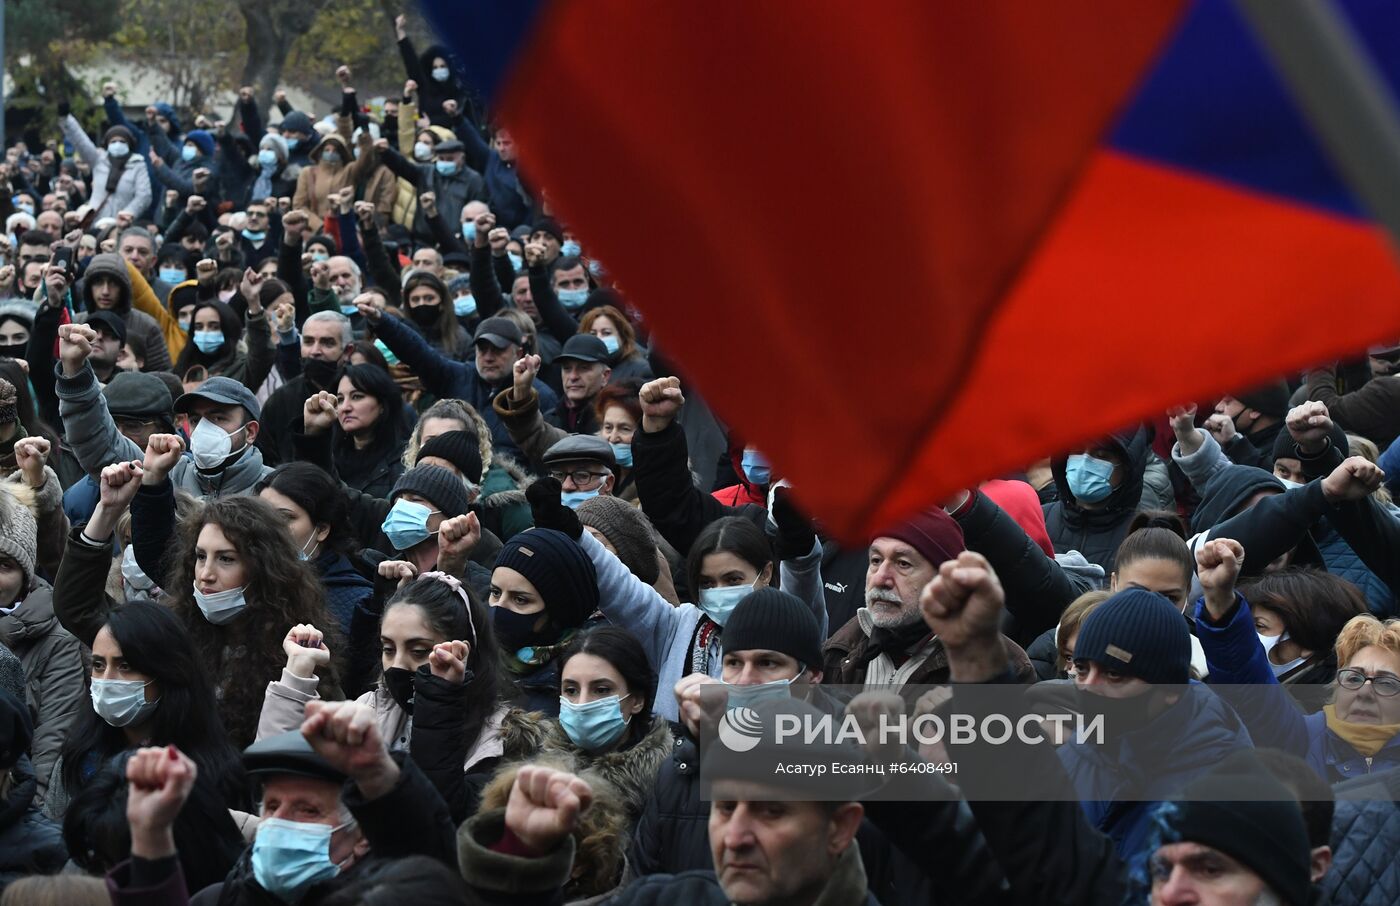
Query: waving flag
x=907, y=246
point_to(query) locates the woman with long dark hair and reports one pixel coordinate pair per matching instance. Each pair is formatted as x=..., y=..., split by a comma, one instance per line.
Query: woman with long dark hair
x=317, y=515
x=427, y=302
x=230, y=571
x=148, y=687
x=370, y=431
x=438, y=695
x=215, y=330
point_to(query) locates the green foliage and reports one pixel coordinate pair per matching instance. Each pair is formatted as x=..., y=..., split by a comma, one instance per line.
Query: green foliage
x=358, y=33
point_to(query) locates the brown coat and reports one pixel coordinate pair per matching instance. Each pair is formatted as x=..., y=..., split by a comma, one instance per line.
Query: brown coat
x=373, y=181
x=846, y=658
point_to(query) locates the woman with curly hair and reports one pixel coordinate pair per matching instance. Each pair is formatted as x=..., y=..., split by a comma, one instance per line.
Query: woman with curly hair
x=230, y=572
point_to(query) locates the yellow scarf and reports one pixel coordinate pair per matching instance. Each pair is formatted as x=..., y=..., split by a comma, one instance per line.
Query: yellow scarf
x=1368, y=739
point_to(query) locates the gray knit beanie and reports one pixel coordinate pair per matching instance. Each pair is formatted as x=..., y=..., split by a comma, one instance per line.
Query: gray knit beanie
x=627, y=529
x=11, y=673
x=19, y=533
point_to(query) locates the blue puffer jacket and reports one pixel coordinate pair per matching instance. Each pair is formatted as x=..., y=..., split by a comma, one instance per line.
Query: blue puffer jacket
x=1342, y=561
x=1118, y=785
x=345, y=588
x=1240, y=670
x=1365, y=839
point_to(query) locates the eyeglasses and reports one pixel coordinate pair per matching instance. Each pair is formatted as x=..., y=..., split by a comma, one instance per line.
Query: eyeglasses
x=1353, y=680
x=581, y=477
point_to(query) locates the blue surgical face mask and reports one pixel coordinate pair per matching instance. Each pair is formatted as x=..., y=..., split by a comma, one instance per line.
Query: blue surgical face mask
x=330, y=156
x=220, y=607
x=1088, y=477
x=756, y=468
x=612, y=343
x=267, y=158
x=407, y=524
x=750, y=695
x=172, y=275
x=422, y=151
x=572, y=499
x=464, y=306
x=251, y=236
x=1289, y=484
x=593, y=726
x=572, y=298
x=569, y=247
x=291, y=856
x=121, y=702
x=469, y=231
x=385, y=351
x=293, y=143
x=209, y=341
x=349, y=311
x=441, y=73
x=445, y=167
x=319, y=256
x=595, y=267
x=623, y=454
x=189, y=153
x=516, y=261
x=719, y=603
x=118, y=149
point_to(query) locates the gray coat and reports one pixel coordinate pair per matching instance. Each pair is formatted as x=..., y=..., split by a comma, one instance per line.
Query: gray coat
x=54, y=676
x=133, y=192
x=94, y=437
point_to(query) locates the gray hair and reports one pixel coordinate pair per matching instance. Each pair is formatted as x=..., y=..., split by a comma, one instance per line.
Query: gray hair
x=354, y=267
x=347, y=333
x=140, y=232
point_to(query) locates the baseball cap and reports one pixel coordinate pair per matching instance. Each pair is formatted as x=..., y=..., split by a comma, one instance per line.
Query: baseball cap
x=222, y=390
x=499, y=332
x=584, y=347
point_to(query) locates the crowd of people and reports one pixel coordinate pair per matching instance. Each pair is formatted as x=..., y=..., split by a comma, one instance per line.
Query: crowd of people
x=358, y=542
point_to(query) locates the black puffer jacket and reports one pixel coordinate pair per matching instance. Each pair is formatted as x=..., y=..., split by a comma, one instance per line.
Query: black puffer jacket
x=1096, y=533
x=1365, y=839
x=945, y=862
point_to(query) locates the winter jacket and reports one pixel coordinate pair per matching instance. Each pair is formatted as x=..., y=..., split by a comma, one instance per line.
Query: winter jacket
x=1118, y=784
x=505, y=191
x=452, y=192
x=847, y=659
x=46, y=504
x=30, y=844
x=429, y=833
x=447, y=379
x=345, y=588
x=502, y=506
x=1037, y=589
x=1255, y=448
x=133, y=192
x=372, y=183
x=249, y=368
x=1372, y=410
x=55, y=677
x=137, y=322
x=1365, y=839
x=1240, y=667
x=498, y=878
x=676, y=507
x=1096, y=533
x=945, y=854
x=94, y=437
x=282, y=418
x=148, y=882
x=668, y=632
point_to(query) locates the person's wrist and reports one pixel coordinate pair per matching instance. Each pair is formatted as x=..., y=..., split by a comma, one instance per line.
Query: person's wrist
x=653, y=424
x=301, y=665
x=152, y=843
x=977, y=660
x=1219, y=601
x=378, y=780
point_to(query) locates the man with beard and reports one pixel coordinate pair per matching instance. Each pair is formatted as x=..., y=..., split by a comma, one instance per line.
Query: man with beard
x=326, y=342
x=887, y=644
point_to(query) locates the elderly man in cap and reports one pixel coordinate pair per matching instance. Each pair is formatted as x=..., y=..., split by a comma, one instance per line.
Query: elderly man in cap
x=1229, y=836
x=887, y=643
x=583, y=465
x=785, y=839
x=498, y=343
x=452, y=182
x=333, y=801
x=583, y=370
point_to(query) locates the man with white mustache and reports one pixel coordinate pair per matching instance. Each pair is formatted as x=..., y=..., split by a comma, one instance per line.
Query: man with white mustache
x=887, y=644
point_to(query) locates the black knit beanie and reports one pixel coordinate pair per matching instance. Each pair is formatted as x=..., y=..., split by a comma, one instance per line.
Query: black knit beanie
x=627, y=530
x=1139, y=633
x=558, y=568
x=436, y=484
x=461, y=448
x=1270, y=399
x=774, y=620
x=1250, y=817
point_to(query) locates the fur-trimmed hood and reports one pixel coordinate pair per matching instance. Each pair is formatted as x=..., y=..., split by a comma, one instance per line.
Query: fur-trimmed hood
x=532, y=736
x=499, y=500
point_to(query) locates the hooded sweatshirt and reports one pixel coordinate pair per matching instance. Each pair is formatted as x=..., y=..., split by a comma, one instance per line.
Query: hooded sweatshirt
x=1096, y=533
x=110, y=264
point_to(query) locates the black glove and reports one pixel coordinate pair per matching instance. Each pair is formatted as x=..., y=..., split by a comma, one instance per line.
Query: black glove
x=64, y=109
x=795, y=534
x=549, y=512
